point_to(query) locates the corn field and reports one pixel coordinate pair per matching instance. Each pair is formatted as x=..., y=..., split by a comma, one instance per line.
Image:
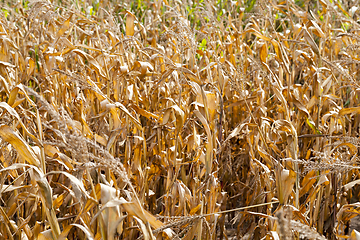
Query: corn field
x=166, y=119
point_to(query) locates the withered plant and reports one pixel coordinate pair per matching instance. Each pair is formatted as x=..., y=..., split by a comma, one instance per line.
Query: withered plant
x=179, y=119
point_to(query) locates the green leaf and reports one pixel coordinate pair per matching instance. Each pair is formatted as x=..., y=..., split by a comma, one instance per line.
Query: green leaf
x=312, y=126
x=250, y=5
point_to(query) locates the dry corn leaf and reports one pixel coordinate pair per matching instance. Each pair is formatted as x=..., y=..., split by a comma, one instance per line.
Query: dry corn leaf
x=58, y=201
x=16, y=115
x=112, y=138
x=46, y=235
x=6, y=64
x=353, y=149
x=193, y=231
x=263, y=53
x=65, y=26
x=31, y=67
x=265, y=156
x=55, y=153
x=91, y=60
x=145, y=231
x=116, y=226
x=212, y=104
x=100, y=139
x=85, y=229
x=144, y=113
x=142, y=67
x=65, y=232
x=209, y=147
x=130, y=19
x=318, y=31
x=285, y=180
x=350, y=185
x=307, y=183
x=258, y=34
x=8, y=188
x=346, y=111
x=235, y=131
x=179, y=115
x=46, y=192
x=355, y=235
x=133, y=119
x=24, y=150
x=311, y=41
x=5, y=84
x=79, y=67
x=134, y=209
x=75, y=183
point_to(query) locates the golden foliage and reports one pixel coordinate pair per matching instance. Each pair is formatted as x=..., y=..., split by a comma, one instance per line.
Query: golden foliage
x=162, y=119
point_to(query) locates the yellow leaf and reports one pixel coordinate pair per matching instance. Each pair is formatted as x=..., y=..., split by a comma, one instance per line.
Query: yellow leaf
x=5, y=84
x=16, y=115
x=266, y=156
x=285, y=180
x=100, y=140
x=24, y=150
x=318, y=31
x=263, y=53
x=65, y=232
x=355, y=235
x=258, y=34
x=345, y=111
x=179, y=114
x=277, y=49
x=130, y=18
x=195, y=209
x=209, y=145
x=64, y=27
x=143, y=112
x=211, y=104
x=308, y=181
x=58, y=201
x=31, y=67
x=12, y=96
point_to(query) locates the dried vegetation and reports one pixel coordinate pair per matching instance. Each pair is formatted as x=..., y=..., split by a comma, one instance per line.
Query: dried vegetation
x=179, y=120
